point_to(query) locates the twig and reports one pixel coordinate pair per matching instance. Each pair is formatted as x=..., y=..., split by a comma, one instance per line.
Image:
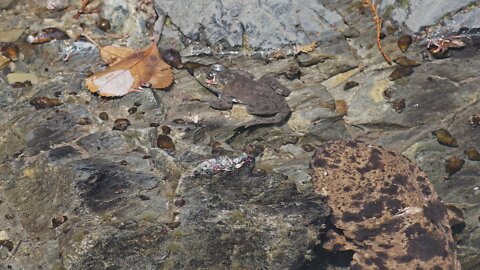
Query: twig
x=82, y=9
x=378, y=26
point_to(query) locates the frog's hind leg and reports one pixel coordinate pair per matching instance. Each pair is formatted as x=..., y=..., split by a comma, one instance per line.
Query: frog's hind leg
x=266, y=120
x=222, y=103
x=275, y=85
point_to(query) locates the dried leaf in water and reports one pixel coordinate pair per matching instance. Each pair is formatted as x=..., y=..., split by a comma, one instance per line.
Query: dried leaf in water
x=143, y=67
x=112, y=54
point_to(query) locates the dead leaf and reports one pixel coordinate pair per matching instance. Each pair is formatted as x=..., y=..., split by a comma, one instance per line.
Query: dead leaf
x=112, y=54
x=129, y=71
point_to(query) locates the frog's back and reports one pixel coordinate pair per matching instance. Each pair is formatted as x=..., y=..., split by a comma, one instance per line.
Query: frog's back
x=388, y=211
x=260, y=97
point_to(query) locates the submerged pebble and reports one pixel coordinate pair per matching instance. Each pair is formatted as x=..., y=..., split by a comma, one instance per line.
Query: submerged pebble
x=11, y=51
x=404, y=42
x=406, y=62
x=472, y=154
x=400, y=72
x=453, y=165
x=121, y=124
x=45, y=102
x=165, y=142
x=445, y=138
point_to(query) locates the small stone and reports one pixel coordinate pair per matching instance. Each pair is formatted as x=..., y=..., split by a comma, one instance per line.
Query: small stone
x=445, y=138
x=11, y=51
x=103, y=116
x=104, y=25
x=453, y=165
x=308, y=147
x=472, y=154
x=47, y=35
x=404, y=42
x=121, y=124
x=45, y=102
x=398, y=104
x=21, y=77
x=475, y=120
x=84, y=121
x=400, y=72
x=350, y=84
x=179, y=202
x=166, y=130
x=132, y=110
x=293, y=73
x=165, y=142
x=406, y=62
x=58, y=220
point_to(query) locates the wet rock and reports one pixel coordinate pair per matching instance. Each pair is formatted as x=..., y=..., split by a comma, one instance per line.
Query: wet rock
x=222, y=206
x=11, y=35
x=267, y=25
x=104, y=25
x=368, y=213
x=20, y=77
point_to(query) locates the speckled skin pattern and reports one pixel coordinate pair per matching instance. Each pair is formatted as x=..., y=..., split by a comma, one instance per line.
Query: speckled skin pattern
x=383, y=207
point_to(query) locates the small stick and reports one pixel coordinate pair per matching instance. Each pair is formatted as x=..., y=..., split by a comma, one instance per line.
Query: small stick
x=378, y=26
x=82, y=9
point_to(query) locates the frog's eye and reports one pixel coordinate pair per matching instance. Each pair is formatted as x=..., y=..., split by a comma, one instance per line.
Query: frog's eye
x=210, y=75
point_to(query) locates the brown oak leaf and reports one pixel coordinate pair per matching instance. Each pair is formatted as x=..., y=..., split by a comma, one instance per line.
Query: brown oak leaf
x=130, y=70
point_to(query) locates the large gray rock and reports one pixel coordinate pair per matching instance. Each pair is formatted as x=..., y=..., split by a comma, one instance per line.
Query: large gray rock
x=268, y=24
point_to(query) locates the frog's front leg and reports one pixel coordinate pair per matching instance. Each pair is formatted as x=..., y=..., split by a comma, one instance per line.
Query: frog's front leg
x=275, y=85
x=222, y=103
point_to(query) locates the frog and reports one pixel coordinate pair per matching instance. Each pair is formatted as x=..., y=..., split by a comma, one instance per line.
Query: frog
x=265, y=98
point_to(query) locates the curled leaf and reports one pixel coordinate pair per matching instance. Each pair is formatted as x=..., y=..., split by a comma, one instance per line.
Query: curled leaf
x=129, y=71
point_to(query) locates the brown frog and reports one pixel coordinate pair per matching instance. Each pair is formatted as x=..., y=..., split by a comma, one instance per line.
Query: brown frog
x=264, y=97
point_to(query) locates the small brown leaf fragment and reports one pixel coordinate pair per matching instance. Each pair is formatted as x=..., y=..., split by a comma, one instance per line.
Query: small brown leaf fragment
x=84, y=121
x=400, y=72
x=45, y=102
